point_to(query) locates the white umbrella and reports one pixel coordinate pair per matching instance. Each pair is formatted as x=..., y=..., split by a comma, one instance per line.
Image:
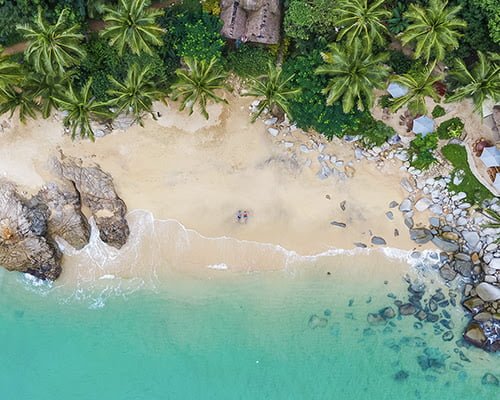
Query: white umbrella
x=423, y=125
x=496, y=183
x=396, y=90
x=490, y=156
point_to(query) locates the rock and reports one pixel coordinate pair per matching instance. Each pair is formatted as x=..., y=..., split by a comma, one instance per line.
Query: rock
x=66, y=219
x=389, y=215
x=436, y=209
x=409, y=222
x=474, y=304
x=448, y=336
x=271, y=121
x=273, y=131
x=349, y=171
x=324, y=172
x=483, y=316
x=317, y=322
x=459, y=196
x=378, y=240
x=407, y=185
x=304, y=148
x=464, y=268
x=358, y=153
x=360, y=245
x=405, y=205
x=423, y=204
x=342, y=205
x=450, y=236
x=488, y=292
x=98, y=193
x=339, y=224
x=447, y=272
x=494, y=264
x=490, y=379
x=445, y=245
x=375, y=319
x=421, y=235
x=407, y=309
x=393, y=204
x=474, y=334
x=25, y=244
x=434, y=221
x=401, y=375
x=387, y=313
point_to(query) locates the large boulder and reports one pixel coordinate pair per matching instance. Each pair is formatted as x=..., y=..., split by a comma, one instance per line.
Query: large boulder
x=98, y=193
x=488, y=292
x=445, y=245
x=66, y=219
x=25, y=244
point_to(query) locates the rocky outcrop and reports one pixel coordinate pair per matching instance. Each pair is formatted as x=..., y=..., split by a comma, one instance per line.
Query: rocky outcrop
x=65, y=219
x=98, y=193
x=25, y=244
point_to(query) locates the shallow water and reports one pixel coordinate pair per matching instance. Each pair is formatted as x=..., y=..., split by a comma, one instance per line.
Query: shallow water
x=225, y=335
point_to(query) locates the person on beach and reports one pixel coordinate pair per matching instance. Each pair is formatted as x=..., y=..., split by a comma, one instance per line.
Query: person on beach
x=239, y=216
x=245, y=216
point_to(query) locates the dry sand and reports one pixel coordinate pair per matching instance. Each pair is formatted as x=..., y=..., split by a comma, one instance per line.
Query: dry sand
x=200, y=173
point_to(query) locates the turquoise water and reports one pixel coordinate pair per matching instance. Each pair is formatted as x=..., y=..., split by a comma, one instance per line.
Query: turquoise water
x=236, y=337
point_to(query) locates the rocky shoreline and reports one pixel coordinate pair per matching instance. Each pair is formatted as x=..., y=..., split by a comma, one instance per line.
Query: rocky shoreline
x=470, y=252
x=29, y=226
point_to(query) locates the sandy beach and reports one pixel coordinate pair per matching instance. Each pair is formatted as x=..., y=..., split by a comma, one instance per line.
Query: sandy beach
x=201, y=173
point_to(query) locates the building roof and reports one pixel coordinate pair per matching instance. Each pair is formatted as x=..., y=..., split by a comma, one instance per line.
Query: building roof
x=256, y=21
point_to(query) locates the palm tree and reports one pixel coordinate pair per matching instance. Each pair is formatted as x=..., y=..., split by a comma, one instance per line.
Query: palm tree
x=44, y=88
x=13, y=98
x=481, y=82
x=355, y=71
x=81, y=108
x=136, y=94
x=359, y=19
x=52, y=48
x=198, y=84
x=420, y=84
x=10, y=72
x=133, y=25
x=434, y=29
x=275, y=90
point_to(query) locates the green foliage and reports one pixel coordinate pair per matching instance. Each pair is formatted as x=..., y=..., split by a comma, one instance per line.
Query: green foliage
x=354, y=71
x=434, y=29
x=304, y=20
x=492, y=9
x=421, y=151
x=451, y=128
x=398, y=23
x=133, y=25
x=385, y=101
x=103, y=62
x=399, y=62
x=201, y=39
x=310, y=111
x=420, y=84
x=249, y=60
x=52, y=48
x=10, y=71
x=361, y=19
x=438, y=111
x=457, y=156
x=274, y=89
x=211, y=6
x=13, y=98
x=199, y=83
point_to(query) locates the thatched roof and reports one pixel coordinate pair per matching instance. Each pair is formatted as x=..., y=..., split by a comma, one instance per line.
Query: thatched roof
x=252, y=20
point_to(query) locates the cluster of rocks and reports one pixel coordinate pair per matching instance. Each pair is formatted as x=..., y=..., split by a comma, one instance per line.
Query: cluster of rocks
x=426, y=308
x=470, y=251
x=29, y=226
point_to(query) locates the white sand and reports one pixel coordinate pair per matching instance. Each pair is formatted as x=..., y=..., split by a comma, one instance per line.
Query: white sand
x=201, y=173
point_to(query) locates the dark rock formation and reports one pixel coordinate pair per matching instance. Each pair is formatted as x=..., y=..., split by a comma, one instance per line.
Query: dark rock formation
x=98, y=194
x=25, y=244
x=66, y=219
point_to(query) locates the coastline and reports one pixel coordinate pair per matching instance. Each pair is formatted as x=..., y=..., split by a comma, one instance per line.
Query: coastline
x=222, y=165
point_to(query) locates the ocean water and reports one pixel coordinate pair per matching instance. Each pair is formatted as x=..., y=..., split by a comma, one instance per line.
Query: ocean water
x=288, y=334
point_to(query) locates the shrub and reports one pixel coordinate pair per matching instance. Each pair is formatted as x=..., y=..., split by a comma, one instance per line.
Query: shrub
x=374, y=132
x=399, y=62
x=421, y=151
x=249, y=60
x=385, y=101
x=211, y=6
x=457, y=156
x=438, y=111
x=451, y=128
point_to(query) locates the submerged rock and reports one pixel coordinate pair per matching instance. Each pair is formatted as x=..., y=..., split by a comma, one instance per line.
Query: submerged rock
x=401, y=375
x=490, y=379
x=98, y=193
x=25, y=245
x=317, y=322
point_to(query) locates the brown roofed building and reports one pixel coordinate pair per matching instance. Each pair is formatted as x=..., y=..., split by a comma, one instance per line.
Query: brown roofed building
x=256, y=21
